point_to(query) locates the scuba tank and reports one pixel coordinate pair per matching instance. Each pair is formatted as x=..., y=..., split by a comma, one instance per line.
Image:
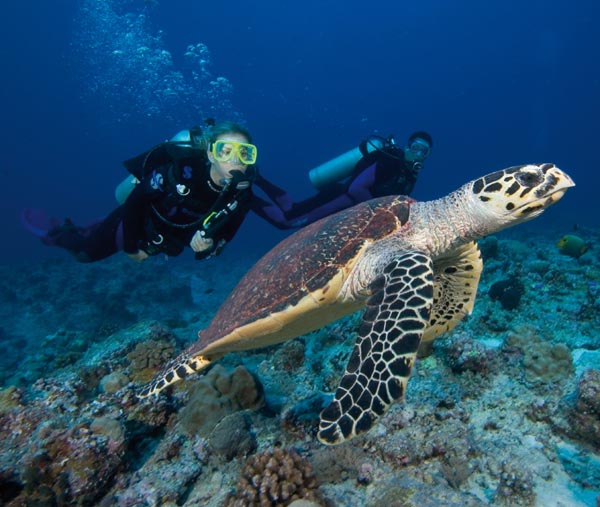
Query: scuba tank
x=342, y=165
x=184, y=143
x=125, y=188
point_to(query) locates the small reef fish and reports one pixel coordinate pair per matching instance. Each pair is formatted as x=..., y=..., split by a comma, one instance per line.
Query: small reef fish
x=572, y=245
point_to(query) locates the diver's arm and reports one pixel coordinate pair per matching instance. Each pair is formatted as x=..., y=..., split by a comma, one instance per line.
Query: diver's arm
x=270, y=213
x=360, y=187
x=278, y=195
x=289, y=215
x=325, y=204
x=230, y=228
x=332, y=206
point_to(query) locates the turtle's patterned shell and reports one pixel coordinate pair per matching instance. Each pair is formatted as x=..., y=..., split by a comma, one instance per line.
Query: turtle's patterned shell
x=304, y=263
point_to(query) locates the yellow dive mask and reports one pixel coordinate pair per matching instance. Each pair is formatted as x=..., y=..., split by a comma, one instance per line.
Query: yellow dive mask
x=223, y=151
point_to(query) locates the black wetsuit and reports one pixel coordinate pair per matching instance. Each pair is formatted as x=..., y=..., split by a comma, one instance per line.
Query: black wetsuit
x=163, y=212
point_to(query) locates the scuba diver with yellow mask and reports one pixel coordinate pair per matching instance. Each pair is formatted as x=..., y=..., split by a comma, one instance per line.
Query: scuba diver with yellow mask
x=193, y=190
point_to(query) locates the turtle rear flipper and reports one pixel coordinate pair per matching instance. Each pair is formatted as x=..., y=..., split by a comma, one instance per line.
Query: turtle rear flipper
x=397, y=314
x=179, y=368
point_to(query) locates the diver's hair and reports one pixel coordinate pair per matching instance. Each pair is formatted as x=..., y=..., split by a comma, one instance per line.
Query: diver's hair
x=226, y=127
x=421, y=135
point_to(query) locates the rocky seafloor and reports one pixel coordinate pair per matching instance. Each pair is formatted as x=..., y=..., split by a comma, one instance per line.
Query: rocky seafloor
x=504, y=410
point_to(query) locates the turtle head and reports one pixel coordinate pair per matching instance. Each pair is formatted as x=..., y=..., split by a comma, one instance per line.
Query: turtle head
x=519, y=193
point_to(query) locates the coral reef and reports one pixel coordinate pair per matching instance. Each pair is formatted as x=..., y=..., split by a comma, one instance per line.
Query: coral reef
x=463, y=353
x=581, y=465
x=501, y=411
x=515, y=488
x=232, y=437
x=290, y=356
x=112, y=382
x=62, y=459
x=543, y=361
x=275, y=478
x=334, y=465
x=488, y=247
x=216, y=395
x=585, y=416
x=148, y=356
x=406, y=491
x=456, y=470
x=303, y=416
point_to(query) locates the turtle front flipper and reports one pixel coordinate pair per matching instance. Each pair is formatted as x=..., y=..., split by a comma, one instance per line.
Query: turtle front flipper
x=377, y=373
x=179, y=368
x=455, y=288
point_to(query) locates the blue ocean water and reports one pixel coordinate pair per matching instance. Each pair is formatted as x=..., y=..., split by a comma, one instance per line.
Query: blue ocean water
x=506, y=404
x=88, y=84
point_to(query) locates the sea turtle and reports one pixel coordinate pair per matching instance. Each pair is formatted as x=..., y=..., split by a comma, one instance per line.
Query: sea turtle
x=414, y=265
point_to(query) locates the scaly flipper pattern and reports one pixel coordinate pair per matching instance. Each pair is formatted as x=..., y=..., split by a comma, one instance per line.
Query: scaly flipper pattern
x=179, y=368
x=455, y=288
x=378, y=370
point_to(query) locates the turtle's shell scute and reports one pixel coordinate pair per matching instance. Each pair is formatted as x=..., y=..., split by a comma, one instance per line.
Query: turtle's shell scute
x=304, y=263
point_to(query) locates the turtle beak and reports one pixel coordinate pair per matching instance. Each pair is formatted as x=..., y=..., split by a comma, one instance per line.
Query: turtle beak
x=559, y=179
x=557, y=182
x=548, y=187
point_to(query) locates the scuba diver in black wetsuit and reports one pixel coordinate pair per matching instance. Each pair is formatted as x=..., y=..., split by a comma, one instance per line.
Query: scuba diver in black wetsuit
x=382, y=169
x=194, y=192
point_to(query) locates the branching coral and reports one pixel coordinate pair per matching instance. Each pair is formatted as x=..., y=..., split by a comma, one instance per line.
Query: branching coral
x=275, y=478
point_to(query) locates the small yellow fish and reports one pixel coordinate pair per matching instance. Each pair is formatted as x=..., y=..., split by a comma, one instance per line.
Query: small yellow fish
x=572, y=245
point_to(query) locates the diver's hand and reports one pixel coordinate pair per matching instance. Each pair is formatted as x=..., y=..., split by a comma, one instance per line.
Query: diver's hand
x=200, y=243
x=139, y=256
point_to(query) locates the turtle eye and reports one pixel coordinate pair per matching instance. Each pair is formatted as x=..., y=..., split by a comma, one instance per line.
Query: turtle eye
x=529, y=178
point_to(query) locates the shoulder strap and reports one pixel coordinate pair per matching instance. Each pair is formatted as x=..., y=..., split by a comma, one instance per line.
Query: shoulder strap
x=146, y=162
x=165, y=152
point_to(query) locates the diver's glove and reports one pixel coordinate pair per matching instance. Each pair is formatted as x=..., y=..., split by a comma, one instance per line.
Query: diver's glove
x=209, y=251
x=139, y=256
x=201, y=244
